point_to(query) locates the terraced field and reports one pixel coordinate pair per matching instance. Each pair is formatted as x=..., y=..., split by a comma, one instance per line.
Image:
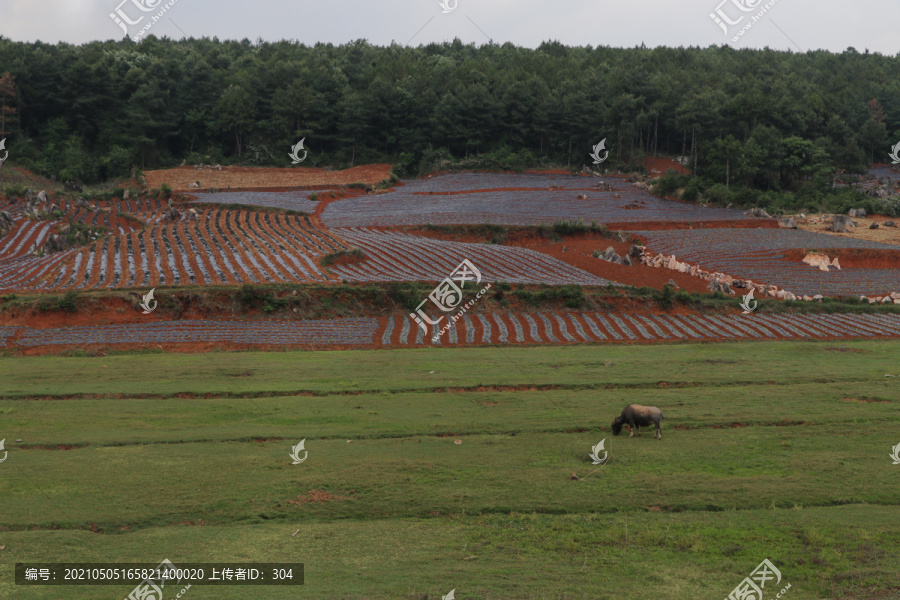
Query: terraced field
x=506, y=199
x=472, y=329
x=326, y=332
x=758, y=254
x=222, y=247
x=396, y=256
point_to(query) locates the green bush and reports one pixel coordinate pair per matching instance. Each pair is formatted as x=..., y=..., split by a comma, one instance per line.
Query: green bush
x=271, y=303
x=247, y=296
x=666, y=297
x=67, y=302
x=670, y=182
x=116, y=163
x=407, y=294
x=11, y=191
x=692, y=189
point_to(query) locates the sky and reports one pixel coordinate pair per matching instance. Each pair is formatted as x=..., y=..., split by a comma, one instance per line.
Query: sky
x=796, y=25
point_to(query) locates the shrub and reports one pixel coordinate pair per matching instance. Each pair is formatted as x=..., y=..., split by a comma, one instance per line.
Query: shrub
x=116, y=162
x=692, y=190
x=666, y=297
x=670, y=182
x=247, y=296
x=271, y=303
x=11, y=191
x=407, y=294
x=67, y=302
x=719, y=194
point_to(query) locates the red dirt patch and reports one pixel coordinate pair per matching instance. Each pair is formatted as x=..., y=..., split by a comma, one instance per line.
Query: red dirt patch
x=659, y=165
x=264, y=178
x=579, y=253
x=347, y=259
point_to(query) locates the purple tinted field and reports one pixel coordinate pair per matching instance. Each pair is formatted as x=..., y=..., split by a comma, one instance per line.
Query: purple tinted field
x=411, y=203
x=475, y=328
x=397, y=256
x=758, y=254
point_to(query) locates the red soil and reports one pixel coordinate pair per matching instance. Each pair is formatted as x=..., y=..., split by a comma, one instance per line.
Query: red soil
x=347, y=259
x=265, y=178
x=658, y=166
x=579, y=253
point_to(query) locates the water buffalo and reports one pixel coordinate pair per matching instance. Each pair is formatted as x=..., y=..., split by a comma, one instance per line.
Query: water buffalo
x=636, y=415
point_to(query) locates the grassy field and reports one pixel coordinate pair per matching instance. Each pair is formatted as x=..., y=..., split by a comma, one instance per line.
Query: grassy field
x=769, y=450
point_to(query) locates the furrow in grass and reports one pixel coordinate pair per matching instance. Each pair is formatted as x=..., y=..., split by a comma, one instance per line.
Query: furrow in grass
x=187, y=395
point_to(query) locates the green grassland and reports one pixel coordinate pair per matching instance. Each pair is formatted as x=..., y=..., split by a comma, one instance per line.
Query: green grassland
x=772, y=450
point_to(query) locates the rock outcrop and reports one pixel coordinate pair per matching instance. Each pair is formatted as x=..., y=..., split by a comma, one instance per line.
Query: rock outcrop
x=788, y=222
x=842, y=223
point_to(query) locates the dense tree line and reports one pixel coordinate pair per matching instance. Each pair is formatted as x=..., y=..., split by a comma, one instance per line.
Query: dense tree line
x=764, y=119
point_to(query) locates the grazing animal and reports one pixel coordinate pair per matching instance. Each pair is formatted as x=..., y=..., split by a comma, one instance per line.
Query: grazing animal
x=636, y=415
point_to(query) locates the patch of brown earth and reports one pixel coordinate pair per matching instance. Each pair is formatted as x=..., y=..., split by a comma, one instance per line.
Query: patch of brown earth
x=264, y=178
x=347, y=259
x=865, y=400
x=658, y=166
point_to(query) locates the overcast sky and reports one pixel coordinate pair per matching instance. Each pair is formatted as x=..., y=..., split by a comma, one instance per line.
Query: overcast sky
x=788, y=24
